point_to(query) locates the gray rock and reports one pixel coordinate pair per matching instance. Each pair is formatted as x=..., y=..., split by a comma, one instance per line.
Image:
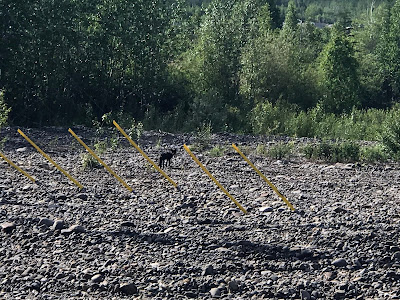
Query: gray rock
x=8, y=227
x=266, y=209
x=35, y=285
x=82, y=196
x=61, y=197
x=46, y=221
x=339, y=294
x=66, y=231
x=77, y=229
x=128, y=289
x=215, y=293
x=58, y=224
x=339, y=263
x=395, y=256
x=97, y=278
x=305, y=295
x=233, y=286
x=208, y=270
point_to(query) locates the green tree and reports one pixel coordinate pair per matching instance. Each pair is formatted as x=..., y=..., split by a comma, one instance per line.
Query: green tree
x=291, y=18
x=371, y=52
x=338, y=74
x=278, y=65
x=212, y=65
x=62, y=59
x=393, y=53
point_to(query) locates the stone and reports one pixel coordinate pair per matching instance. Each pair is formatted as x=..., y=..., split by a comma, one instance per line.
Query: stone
x=395, y=256
x=45, y=221
x=208, y=270
x=97, y=278
x=304, y=253
x=266, y=209
x=35, y=285
x=233, y=286
x=61, y=197
x=8, y=227
x=215, y=293
x=77, y=229
x=128, y=288
x=66, y=231
x=58, y=224
x=339, y=263
x=305, y=295
x=82, y=196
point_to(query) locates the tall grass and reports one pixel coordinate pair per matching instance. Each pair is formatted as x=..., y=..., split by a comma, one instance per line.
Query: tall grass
x=284, y=119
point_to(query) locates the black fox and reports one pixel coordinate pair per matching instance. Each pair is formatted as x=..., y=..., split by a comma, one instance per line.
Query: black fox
x=165, y=158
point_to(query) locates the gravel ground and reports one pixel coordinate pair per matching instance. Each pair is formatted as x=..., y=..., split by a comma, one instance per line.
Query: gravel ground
x=60, y=242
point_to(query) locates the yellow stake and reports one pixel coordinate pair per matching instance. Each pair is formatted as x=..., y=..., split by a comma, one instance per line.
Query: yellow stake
x=100, y=161
x=265, y=178
x=50, y=160
x=16, y=167
x=213, y=178
x=144, y=154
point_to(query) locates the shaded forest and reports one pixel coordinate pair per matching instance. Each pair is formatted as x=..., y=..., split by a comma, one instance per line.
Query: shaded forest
x=174, y=65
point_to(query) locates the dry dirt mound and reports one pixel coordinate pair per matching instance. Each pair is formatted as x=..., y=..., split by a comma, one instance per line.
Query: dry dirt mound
x=59, y=242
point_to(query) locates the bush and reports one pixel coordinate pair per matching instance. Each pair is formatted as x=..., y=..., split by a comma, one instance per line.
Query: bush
x=373, y=154
x=89, y=162
x=391, y=134
x=280, y=150
x=203, y=136
x=348, y=152
x=4, y=110
x=267, y=118
x=261, y=150
x=217, y=151
x=333, y=152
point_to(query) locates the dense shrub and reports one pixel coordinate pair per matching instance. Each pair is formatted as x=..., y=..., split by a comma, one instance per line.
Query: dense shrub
x=333, y=152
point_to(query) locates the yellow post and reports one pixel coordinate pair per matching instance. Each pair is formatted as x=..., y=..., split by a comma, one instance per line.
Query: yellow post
x=16, y=167
x=213, y=179
x=144, y=154
x=263, y=177
x=50, y=160
x=100, y=161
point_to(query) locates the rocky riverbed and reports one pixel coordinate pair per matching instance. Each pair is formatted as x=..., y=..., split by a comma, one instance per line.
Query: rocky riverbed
x=60, y=242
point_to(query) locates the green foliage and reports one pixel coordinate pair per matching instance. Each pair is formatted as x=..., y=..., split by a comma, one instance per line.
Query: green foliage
x=373, y=154
x=390, y=137
x=284, y=119
x=261, y=150
x=203, y=136
x=291, y=18
x=217, y=151
x=4, y=110
x=101, y=147
x=339, y=74
x=61, y=57
x=136, y=130
x=280, y=150
x=89, y=162
x=267, y=118
x=333, y=152
x=163, y=65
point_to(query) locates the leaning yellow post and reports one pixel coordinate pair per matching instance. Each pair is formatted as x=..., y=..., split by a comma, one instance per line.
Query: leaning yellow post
x=16, y=167
x=100, y=161
x=50, y=160
x=213, y=179
x=144, y=154
x=263, y=177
